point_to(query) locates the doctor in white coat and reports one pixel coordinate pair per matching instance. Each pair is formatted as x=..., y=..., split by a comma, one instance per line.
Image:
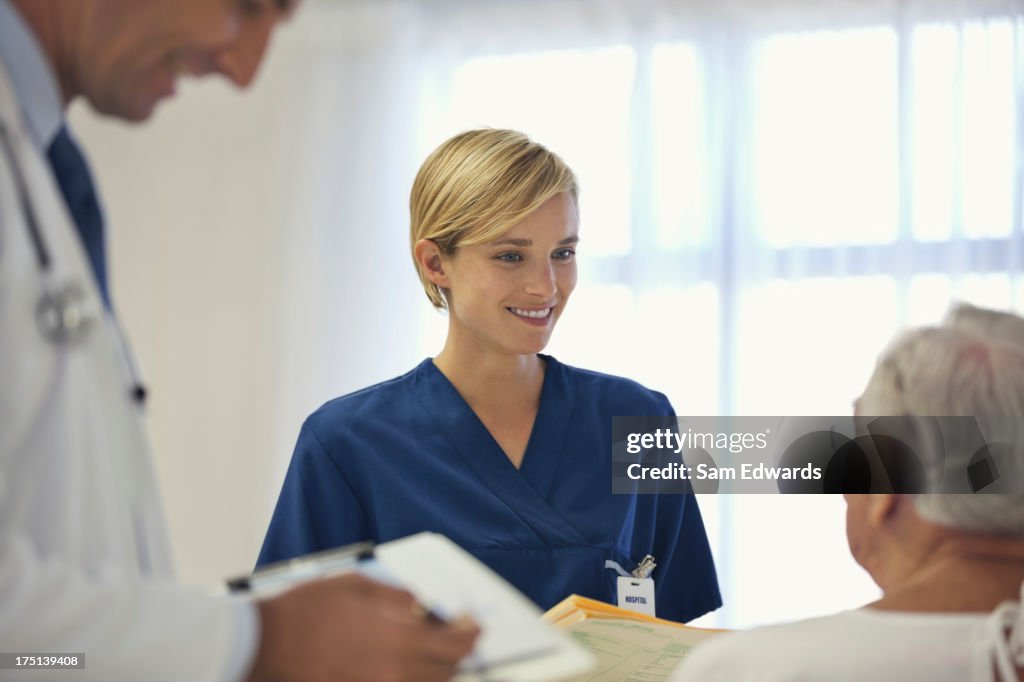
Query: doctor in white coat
x=85, y=562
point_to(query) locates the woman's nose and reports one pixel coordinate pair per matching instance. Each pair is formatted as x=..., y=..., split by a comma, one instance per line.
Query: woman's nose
x=541, y=282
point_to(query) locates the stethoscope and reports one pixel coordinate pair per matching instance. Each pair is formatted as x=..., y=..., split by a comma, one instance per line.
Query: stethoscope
x=65, y=315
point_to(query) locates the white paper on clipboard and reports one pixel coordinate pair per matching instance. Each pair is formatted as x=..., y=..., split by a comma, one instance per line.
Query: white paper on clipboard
x=515, y=644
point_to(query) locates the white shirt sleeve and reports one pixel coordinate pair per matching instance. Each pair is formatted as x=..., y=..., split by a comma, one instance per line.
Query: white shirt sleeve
x=128, y=630
x=245, y=641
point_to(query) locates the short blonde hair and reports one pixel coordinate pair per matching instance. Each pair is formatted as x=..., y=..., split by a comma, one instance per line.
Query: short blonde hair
x=477, y=186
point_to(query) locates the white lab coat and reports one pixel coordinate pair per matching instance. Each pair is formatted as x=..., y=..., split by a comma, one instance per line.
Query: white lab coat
x=85, y=563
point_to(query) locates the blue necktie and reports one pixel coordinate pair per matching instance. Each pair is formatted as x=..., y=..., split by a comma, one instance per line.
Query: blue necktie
x=75, y=180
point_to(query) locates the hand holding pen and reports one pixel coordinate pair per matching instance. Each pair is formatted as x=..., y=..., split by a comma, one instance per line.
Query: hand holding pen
x=350, y=629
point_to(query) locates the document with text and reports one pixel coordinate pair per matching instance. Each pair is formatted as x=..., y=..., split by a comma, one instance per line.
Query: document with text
x=626, y=644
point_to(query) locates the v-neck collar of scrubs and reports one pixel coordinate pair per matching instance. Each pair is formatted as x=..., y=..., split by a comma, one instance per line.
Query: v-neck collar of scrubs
x=524, y=490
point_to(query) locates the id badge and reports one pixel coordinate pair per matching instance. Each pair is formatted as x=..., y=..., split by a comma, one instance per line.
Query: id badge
x=636, y=594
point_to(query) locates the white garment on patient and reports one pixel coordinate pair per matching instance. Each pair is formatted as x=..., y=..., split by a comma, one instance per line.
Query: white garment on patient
x=853, y=646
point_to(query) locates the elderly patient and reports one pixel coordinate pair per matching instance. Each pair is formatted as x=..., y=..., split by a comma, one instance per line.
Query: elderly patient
x=950, y=566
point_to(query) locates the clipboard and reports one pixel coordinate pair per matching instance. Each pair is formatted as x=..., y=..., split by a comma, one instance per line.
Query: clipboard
x=515, y=643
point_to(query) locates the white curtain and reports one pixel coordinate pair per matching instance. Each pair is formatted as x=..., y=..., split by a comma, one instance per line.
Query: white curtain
x=770, y=190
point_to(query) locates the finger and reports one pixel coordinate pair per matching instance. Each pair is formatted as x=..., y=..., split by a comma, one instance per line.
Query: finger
x=387, y=594
x=431, y=671
x=446, y=643
x=465, y=622
x=374, y=590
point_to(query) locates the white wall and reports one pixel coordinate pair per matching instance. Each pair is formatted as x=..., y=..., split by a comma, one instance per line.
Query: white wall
x=196, y=269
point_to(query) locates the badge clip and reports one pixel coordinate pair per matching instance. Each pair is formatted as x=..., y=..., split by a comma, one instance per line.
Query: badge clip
x=645, y=567
x=636, y=590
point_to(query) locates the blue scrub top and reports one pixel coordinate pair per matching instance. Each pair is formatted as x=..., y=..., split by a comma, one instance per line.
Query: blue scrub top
x=410, y=455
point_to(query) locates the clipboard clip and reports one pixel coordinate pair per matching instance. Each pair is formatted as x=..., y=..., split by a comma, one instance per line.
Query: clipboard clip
x=302, y=569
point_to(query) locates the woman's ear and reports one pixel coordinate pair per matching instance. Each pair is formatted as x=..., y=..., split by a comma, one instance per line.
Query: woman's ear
x=431, y=262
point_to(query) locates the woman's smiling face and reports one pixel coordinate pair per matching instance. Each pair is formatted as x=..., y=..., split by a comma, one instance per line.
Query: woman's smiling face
x=506, y=295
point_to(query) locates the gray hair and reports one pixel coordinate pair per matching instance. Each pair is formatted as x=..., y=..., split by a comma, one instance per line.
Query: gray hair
x=954, y=371
x=995, y=325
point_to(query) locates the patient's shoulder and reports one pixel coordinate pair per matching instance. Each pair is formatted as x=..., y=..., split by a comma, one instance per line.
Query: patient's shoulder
x=848, y=646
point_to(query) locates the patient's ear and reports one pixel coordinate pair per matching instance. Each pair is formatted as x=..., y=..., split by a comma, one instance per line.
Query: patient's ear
x=431, y=262
x=882, y=506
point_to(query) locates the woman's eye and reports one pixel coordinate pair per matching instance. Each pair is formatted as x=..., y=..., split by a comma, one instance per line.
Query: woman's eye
x=564, y=254
x=509, y=257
